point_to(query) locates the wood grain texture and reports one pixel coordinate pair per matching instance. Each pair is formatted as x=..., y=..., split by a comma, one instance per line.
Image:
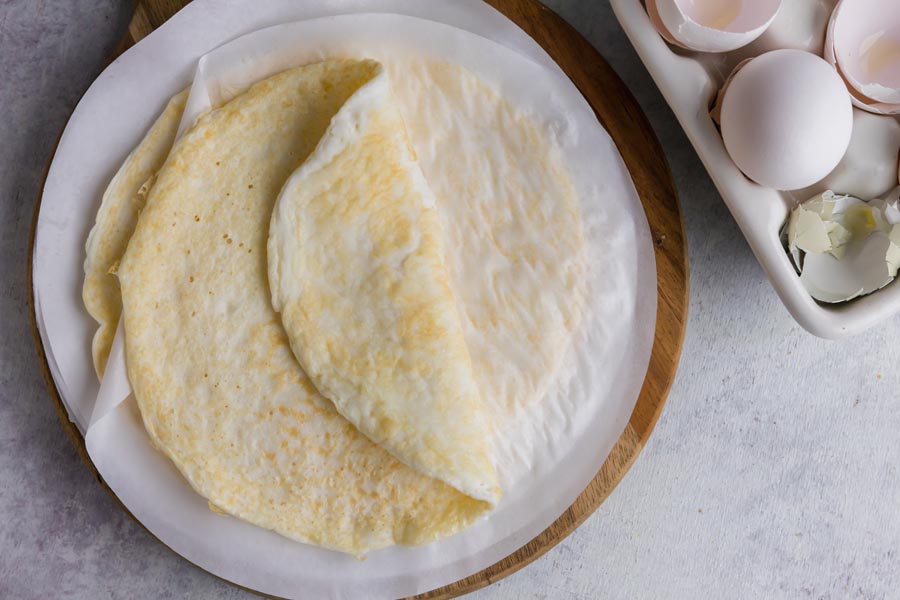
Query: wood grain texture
x=620, y=114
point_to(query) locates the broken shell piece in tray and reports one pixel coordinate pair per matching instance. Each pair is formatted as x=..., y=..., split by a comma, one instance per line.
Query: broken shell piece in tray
x=711, y=25
x=843, y=247
x=863, y=44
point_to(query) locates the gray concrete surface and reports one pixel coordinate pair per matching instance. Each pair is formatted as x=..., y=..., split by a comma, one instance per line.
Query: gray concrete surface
x=772, y=472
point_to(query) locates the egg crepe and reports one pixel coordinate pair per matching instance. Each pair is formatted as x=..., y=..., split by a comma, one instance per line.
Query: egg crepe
x=218, y=387
x=119, y=209
x=356, y=269
x=515, y=250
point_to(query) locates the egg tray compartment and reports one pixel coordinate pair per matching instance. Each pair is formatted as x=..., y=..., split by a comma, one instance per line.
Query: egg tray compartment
x=689, y=81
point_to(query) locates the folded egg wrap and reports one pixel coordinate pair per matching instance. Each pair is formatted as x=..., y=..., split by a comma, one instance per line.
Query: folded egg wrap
x=356, y=269
x=399, y=454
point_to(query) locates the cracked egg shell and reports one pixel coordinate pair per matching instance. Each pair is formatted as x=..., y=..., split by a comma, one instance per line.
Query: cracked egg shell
x=786, y=119
x=653, y=13
x=711, y=25
x=843, y=247
x=863, y=44
x=863, y=269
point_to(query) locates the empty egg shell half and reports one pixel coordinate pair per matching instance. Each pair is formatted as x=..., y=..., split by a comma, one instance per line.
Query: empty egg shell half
x=843, y=247
x=711, y=25
x=863, y=43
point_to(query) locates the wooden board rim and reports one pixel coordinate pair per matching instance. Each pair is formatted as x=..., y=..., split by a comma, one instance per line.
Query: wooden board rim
x=644, y=158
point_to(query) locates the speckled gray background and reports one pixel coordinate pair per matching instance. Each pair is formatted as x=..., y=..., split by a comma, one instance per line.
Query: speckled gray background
x=772, y=472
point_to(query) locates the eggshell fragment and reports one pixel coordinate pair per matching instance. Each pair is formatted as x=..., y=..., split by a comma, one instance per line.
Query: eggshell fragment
x=653, y=13
x=712, y=25
x=863, y=270
x=863, y=44
x=891, y=202
x=842, y=247
x=786, y=119
x=824, y=223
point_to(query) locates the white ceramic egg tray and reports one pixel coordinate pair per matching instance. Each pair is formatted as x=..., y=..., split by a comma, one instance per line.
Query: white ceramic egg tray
x=689, y=82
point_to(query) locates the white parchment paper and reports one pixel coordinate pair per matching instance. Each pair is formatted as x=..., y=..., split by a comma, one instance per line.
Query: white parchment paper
x=571, y=433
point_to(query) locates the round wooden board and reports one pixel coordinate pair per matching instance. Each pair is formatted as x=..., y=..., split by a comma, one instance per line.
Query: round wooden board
x=620, y=114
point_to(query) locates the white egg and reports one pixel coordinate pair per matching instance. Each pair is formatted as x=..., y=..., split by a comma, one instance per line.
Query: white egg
x=711, y=25
x=786, y=119
x=863, y=43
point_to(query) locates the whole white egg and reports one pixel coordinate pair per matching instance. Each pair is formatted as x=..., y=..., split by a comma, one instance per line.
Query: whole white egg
x=786, y=119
